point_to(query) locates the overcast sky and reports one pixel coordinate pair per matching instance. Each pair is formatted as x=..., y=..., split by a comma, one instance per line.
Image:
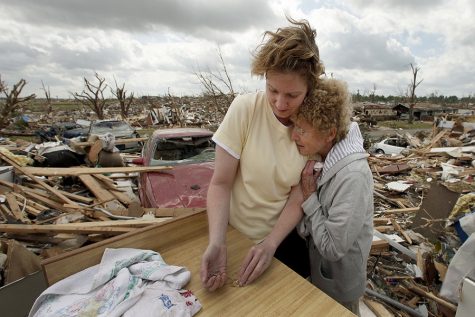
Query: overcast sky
x=157, y=45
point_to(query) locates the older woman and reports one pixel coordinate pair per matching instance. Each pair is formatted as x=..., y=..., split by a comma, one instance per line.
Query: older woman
x=338, y=195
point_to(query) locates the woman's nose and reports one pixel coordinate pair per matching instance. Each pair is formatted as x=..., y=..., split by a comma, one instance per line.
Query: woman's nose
x=280, y=102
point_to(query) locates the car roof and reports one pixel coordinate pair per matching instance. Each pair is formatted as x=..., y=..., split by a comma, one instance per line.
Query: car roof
x=181, y=132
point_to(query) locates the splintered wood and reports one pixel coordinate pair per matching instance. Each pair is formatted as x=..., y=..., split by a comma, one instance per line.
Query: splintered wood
x=409, y=267
x=39, y=214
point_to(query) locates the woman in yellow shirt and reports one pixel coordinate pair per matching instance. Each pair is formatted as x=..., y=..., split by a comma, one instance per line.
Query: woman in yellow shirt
x=257, y=169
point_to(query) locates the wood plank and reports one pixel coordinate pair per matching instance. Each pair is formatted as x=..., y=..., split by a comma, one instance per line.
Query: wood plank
x=15, y=208
x=117, y=141
x=7, y=213
x=31, y=193
x=384, y=229
x=78, y=229
x=109, y=183
x=75, y=171
x=79, y=198
x=97, y=190
x=172, y=212
x=402, y=210
x=429, y=295
x=378, y=246
x=182, y=242
x=109, y=201
x=132, y=223
x=30, y=202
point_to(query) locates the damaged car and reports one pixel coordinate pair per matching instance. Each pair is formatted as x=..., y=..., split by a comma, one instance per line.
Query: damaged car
x=389, y=146
x=190, y=153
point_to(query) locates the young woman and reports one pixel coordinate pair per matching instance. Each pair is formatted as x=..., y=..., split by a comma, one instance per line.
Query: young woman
x=257, y=170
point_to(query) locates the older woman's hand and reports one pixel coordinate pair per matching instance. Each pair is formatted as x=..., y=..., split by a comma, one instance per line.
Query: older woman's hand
x=308, y=180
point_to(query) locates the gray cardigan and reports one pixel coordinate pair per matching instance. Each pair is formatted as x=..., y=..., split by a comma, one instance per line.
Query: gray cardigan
x=339, y=219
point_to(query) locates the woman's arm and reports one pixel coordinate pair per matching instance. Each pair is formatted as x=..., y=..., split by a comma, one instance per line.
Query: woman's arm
x=213, y=263
x=260, y=256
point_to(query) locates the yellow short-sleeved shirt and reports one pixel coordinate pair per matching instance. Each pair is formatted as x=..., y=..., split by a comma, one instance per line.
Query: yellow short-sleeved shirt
x=269, y=165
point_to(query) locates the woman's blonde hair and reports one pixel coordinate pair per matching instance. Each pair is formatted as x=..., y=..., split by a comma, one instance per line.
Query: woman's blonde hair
x=290, y=49
x=327, y=106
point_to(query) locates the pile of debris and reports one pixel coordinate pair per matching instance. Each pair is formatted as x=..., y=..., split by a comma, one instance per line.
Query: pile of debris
x=424, y=207
x=46, y=211
x=424, y=212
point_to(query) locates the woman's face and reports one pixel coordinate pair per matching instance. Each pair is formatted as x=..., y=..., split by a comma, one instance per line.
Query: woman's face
x=311, y=141
x=286, y=92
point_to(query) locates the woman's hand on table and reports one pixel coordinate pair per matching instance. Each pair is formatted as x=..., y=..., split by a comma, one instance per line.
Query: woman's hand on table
x=213, y=267
x=256, y=262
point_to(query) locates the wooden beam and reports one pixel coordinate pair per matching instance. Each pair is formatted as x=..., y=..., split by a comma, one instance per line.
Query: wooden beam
x=420, y=291
x=15, y=208
x=117, y=141
x=30, y=202
x=75, y=171
x=98, y=191
x=31, y=193
x=402, y=210
x=172, y=212
x=109, y=201
x=79, y=198
x=132, y=223
x=54, y=229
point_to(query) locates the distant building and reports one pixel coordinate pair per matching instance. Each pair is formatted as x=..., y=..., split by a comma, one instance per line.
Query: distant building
x=423, y=111
x=378, y=111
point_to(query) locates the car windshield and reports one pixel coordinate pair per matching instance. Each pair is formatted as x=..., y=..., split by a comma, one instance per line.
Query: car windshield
x=184, y=150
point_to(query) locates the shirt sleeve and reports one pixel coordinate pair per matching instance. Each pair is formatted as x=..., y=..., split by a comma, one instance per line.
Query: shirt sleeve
x=233, y=131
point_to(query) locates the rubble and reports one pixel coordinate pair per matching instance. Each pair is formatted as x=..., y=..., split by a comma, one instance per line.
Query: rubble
x=424, y=198
x=420, y=195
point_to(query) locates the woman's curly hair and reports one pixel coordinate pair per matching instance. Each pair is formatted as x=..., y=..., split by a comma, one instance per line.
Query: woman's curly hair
x=326, y=107
x=290, y=49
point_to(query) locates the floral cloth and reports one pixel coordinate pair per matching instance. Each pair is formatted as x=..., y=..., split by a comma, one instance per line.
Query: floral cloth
x=127, y=282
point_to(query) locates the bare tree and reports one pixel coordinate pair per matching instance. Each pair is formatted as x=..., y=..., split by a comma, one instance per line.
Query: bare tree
x=412, y=92
x=125, y=102
x=177, y=114
x=373, y=93
x=212, y=83
x=12, y=102
x=48, y=98
x=92, y=96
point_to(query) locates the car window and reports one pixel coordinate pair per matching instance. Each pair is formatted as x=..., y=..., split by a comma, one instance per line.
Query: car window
x=392, y=142
x=184, y=150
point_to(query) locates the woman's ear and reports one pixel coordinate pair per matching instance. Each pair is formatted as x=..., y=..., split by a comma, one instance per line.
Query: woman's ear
x=331, y=134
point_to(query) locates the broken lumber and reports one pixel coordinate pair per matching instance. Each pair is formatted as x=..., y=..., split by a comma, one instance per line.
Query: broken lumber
x=420, y=291
x=172, y=212
x=75, y=171
x=394, y=303
x=24, y=171
x=59, y=228
x=377, y=308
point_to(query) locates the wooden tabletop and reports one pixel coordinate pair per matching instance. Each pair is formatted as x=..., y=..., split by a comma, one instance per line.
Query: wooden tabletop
x=278, y=292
